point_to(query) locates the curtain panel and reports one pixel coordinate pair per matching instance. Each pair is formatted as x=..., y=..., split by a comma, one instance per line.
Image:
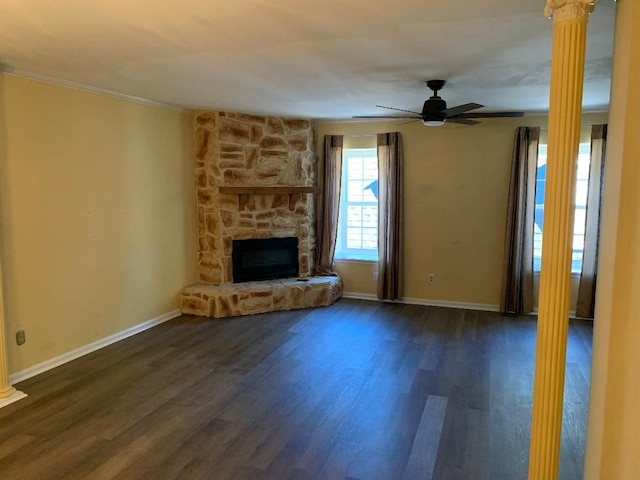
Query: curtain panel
x=328, y=203
x=389, y=216
x=517, y=286
x=587, y=286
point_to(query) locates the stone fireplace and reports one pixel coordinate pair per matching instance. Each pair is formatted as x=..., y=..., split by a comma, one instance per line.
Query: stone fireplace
x=255, y=179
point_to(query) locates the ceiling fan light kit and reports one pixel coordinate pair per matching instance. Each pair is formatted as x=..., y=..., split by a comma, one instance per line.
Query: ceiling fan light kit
x=435, y=112
x=433, y=123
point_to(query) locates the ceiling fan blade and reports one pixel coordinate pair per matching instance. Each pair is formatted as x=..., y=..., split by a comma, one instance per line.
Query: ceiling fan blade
x=410, y=121
x=493, y=115
x=398, y=109
x=462, y=120
x=389, y=116
x=449, y=112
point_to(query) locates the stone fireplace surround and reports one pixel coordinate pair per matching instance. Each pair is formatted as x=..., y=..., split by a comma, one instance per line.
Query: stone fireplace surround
x=255, y=178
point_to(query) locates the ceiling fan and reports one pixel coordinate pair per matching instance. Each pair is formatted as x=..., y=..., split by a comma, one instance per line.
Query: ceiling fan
x=435, y=112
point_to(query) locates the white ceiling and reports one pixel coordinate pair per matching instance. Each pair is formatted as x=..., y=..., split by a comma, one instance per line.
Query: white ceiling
x=306, y=58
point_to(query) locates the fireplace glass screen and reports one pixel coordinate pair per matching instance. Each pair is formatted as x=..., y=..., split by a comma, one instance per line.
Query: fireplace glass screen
x=264, y=259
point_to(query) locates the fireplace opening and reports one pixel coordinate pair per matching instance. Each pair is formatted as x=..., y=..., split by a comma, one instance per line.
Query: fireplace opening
x=264, y=259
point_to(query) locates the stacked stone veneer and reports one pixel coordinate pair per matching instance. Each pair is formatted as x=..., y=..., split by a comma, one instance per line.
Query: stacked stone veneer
x=239, y=150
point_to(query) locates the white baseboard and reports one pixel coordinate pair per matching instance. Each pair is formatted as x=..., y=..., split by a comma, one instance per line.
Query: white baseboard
x=572, y=315
x=92, y=347
x=430, y=303
x=484, y=307
x=360, y=296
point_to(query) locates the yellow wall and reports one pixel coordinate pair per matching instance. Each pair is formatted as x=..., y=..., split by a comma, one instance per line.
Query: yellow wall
x=614, y=417
x=456, y=186
x=97, y=215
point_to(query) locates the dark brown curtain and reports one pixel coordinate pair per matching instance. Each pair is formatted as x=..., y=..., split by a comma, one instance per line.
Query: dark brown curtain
x=389, y=216
x=328, y=203
x=587, y=286
x=517, y=284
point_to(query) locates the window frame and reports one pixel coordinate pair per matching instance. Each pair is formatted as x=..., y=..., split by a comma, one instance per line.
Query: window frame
x=580, y=200
x=342, y=252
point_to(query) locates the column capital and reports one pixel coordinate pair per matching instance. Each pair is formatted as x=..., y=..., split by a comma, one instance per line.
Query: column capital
x=565, y=10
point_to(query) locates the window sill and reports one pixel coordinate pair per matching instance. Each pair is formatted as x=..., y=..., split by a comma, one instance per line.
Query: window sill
x=573, y=275
x=354, y=260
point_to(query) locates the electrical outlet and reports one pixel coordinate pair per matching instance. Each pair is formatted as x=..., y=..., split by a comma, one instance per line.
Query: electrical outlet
x=375, y=274
x=20, y=337
x=432, y=278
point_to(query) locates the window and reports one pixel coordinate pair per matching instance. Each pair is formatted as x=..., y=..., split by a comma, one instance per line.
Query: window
x=358, y=217
x=582, y=186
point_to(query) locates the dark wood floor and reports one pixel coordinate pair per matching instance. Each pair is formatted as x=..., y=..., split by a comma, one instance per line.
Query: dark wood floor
x=358, y=390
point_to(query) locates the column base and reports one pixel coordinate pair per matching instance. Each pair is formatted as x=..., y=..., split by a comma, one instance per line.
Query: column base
x=14, y=397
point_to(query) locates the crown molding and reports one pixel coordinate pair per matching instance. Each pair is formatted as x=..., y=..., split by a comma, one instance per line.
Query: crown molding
x=39, y=77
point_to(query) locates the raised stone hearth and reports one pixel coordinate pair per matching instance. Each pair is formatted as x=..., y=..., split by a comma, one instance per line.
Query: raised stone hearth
x=249, y=298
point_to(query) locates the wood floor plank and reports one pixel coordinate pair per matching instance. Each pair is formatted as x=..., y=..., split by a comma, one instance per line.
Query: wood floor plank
x=425, y=445
x=10, y=445
x=359, y=390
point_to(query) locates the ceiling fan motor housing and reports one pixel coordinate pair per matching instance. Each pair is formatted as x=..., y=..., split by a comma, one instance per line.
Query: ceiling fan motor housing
x=433, y=109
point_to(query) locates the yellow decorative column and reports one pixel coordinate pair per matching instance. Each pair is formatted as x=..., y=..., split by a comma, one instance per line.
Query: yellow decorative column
x=8, y=394
x=565, y=109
